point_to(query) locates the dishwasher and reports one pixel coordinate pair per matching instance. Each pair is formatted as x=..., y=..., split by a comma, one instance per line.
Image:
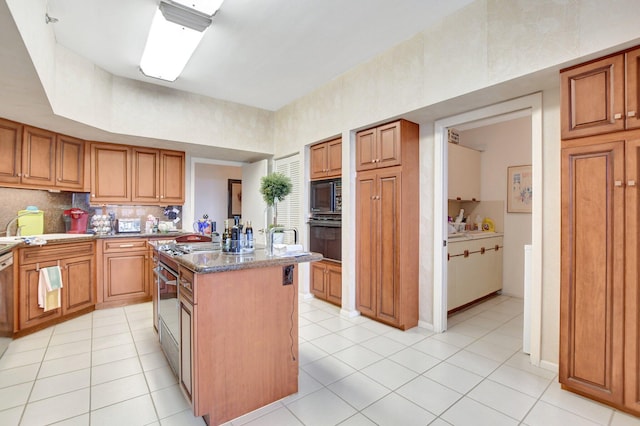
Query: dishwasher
x=6, y=300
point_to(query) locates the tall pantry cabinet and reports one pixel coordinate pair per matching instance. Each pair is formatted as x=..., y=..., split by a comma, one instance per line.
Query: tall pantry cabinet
x=600, y=297
x=387, y=214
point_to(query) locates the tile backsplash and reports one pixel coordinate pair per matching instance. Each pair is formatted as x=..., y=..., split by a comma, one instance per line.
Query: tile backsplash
x=54, y=203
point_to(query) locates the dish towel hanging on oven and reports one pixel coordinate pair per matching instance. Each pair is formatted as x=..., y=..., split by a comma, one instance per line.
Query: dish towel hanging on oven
x=49, y=285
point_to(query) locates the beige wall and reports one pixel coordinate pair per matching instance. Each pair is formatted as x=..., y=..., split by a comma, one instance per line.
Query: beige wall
x=211, y=188
x=490, y=51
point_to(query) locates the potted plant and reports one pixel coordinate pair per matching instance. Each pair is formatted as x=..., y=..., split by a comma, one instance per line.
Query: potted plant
x=274, y=187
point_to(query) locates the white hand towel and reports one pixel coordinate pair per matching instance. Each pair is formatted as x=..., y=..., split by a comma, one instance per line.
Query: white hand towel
x=49, y=285
x=286, y=249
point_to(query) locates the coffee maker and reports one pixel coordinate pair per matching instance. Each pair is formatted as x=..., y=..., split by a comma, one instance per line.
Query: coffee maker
x=75, y=221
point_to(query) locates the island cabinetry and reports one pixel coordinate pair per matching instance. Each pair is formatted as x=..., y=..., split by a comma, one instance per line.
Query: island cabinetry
x=326, y=281
x=326, y=159
x=78, y=294
x=387, y=215
x=601, y=96
x=239, y=339
x=464, y=173
x=123, y=275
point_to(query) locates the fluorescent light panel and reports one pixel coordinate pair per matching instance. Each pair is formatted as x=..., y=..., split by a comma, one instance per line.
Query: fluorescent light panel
x=170, y=45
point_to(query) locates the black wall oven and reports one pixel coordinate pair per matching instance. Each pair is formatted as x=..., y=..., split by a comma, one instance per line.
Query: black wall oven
x=325, y=237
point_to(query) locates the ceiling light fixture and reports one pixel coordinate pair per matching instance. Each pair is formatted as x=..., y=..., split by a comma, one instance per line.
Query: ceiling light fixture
x=176, y=31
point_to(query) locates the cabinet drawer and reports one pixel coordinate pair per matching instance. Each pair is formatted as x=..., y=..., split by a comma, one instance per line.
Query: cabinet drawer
x=187, y=285
x=118, y=245
x=55, y=252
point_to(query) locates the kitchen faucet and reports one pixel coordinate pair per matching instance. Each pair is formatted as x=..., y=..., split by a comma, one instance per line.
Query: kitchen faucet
x=275, y=229
x=7, y=230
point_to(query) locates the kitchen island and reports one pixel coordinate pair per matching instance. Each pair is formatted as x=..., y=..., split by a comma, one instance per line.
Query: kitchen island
x=237, y=338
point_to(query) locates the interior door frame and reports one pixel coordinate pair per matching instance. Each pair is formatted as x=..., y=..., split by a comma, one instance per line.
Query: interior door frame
x=532, y=103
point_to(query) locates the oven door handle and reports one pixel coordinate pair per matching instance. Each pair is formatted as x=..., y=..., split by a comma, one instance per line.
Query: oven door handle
x=164, y=279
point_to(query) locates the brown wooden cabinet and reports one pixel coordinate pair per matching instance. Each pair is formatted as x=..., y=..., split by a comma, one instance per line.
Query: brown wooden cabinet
x=386, y=233
x=600, y=276
x=601, y=96
x=77, y=265
x=110, y=173
x=38, y=157
x=381, y=146
x=172, y=170
x=70, y=162
x=135, y=175
x=123, y=276
x=11, y=148
x=326, y=159
x=326, y=281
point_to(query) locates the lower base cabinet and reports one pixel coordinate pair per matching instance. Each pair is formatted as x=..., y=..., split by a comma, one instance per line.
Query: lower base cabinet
x=78, y=277
x=124, y=274
x=326, y=281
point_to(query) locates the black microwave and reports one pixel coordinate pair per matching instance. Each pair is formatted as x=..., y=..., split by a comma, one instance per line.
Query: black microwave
x=326, y=196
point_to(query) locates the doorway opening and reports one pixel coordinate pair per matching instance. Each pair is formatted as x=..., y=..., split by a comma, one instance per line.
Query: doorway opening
x=528, y=106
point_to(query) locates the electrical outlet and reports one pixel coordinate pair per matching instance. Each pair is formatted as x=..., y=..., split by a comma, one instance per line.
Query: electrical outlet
x=287, y=275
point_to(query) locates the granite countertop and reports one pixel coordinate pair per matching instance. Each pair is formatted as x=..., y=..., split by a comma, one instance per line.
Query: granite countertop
x=205, y=262
x=10, y=243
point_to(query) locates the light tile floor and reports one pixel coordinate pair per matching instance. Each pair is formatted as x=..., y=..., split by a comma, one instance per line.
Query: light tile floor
x=106, y=368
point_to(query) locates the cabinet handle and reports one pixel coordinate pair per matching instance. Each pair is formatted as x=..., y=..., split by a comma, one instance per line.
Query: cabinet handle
x=93, y=195
x=631, y=114
x=126, y=245
x=618, y=183
x=26, y=175
x=162, y=196
x=617, y=116
x=19, y=174
x=631, y=183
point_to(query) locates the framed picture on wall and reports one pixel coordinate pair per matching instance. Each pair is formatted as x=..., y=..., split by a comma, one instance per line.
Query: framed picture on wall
x=234, y=205
x=519, y=189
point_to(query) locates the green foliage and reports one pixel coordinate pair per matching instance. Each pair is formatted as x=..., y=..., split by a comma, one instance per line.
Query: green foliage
x=274, y=187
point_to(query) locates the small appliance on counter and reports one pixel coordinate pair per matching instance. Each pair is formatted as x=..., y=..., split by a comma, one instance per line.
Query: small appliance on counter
x=75, y=221
x=128, y=226
x=31, y=221
x=102, y=224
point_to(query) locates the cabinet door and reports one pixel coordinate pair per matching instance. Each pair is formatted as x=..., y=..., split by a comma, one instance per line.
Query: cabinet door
x=388, y=145
x=632, y=278
x=388, y=204
x=366, y=243
x=110, y=173
x=30, y=314
x=464, y=173
x=69, y=162
x=593, y=98
x=125, y=276
x=145, y=172
x=186, y=372
x=334, y=158
x=11, y=149
x=366, y=150
x=318, y=160
x=38, y=157
x=79, y=284
x=633, y=89
x=592, y=273
x=171, y=178
x=334, y=283
x=318, y=272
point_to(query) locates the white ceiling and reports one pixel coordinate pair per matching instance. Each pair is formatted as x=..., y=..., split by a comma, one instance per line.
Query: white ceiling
x=263, y=53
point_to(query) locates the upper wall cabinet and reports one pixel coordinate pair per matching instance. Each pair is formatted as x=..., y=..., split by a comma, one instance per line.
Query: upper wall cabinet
x=601, y=96
x=134, y=175
x=380, y=146
x=40, y=159
x=326, y=159
x=464, y=173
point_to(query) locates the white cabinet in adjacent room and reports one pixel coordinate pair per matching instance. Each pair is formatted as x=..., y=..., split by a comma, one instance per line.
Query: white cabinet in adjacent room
x=464, y=173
